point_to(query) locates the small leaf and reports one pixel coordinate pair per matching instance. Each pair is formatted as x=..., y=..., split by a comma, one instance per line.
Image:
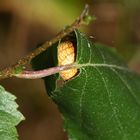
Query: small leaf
x=18, y=70
x=9, y=116
x=87, y=19
x=102, y=102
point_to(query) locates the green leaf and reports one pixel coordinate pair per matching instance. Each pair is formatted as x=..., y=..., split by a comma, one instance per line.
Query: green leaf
x=102, y=102
x=9, y=116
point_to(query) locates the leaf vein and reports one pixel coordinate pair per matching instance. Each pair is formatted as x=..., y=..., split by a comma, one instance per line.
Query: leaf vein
x=103, y=65
x=126, y=84
x=120, y=129
x=81, y=96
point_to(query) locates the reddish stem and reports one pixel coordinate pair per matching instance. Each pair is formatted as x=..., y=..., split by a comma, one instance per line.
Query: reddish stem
x=43, y=73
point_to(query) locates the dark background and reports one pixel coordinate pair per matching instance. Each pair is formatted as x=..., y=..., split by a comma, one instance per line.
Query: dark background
x=26, y=23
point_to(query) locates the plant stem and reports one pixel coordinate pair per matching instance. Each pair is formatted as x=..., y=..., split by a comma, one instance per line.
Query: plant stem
x=43, y=73
x=10, y=71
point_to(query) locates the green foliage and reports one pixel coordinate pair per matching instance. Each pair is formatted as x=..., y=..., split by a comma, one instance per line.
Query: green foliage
x=103, y=101
x=9, y=116
x=87, y=19
x=18, y=70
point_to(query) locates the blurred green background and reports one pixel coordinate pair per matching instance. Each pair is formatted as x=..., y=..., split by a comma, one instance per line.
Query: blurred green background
x=26, y=23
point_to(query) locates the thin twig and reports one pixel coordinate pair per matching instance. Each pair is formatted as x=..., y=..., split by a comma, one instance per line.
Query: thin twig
x=10, y=71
